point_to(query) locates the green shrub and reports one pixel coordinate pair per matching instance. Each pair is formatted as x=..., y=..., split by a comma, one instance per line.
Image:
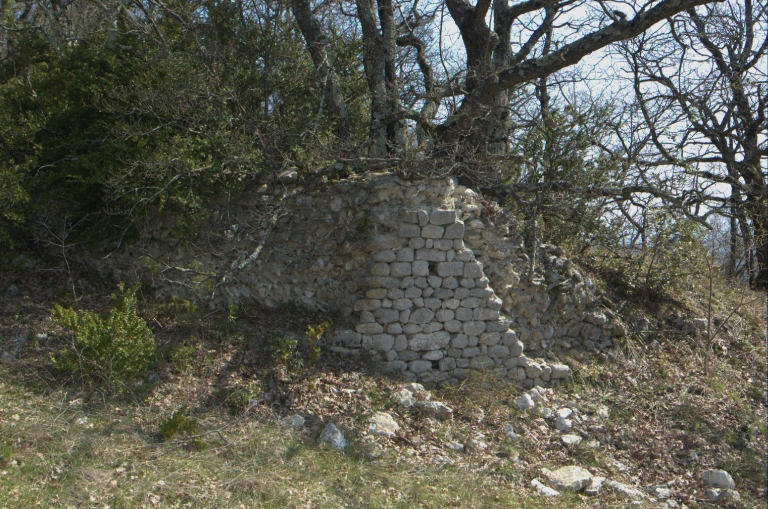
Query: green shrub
x=179, y=424
x=284, y=350
x=313, y=336
x=238, y=399
x=111, y=348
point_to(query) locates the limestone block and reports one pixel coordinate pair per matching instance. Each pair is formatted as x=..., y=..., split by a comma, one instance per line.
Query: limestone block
x=432, y=232
x=533, y=370
x=498, y=351
x=473, y=270
x=369, y=328
x=442, y=217
x=494, y=303
x=546, y=373
x=410, y=355
x=401, y=343
x=490, y=338
x=383, y=282
x=485, y=314
x=560, y=371
x=402, y=304
x=443, y=294
x=435, y=281
x=470, y=351
x=417, y=243
x=400, y=269
x=422, y=315
x=383, y=242
x=511, y=363
x=454, y=231
x=433, y=355
x=406, y=282
x=471, y=302
x=423, y=216
x=432, y=341
x=473, y=328
x=444, y=245
x=411, y=216
x=460, y=363
x=461, y=293
x=450, y=303
x=395, y=366
x=450, y=268
x=386, y=303
x=395, y=328
x=385, y=316
x=384, y=256
x=467, y=283
x=418, y=302
x=412, y=292
x=432, y=303
x=408, y=230
x=376, y=293
x=405, y=254
x=447, y=364
x=367, y=304
x=444, y=315
x=405, y=315
x=482, y=282
x=452, y=326
x=419, y=366
x=482, y=293
x=382, y=342
x=430, y=255
x=366, y=317
x=481, y=362
x=500, y=325
x=450, y=283
x=432, y=327
x=464, y=255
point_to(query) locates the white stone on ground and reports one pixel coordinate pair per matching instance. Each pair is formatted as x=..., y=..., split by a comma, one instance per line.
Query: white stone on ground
x=434, y=408
x=544, y=491
x=718, y=479
x=509, y=431
x=571, y=440
x=625, y=491
x=383, y=424
x=333, y=437
x=525, y=402
x=563, y=424
x=571, y=478
x=594, y=486
x=294, y=421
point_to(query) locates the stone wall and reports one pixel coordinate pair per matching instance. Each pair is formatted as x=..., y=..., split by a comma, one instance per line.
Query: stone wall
x=365, y=248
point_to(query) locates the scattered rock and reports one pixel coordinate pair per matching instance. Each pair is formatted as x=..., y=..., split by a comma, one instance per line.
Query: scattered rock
x=543, y=490
x=718, y=479
x=728, y=496
x=563, y=424
x=509, y=431
x=712, y=494
x=333, y=437
x=14, y=345
x=383, y=424
x=434, y=408
x=546, y=413
x=294, y=421
x=593, y=489
x=625, y=491
x=662, y=493
x=455, y=446
x=571, y=440
x=404, y=397
x=564, y=413
x=571, y=478
x=525, y=402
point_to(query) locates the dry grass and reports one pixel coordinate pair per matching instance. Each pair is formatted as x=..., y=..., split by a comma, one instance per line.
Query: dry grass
x=65, y=445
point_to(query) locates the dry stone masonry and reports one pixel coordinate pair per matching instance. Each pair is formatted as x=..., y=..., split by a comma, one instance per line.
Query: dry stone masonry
x=430, y=312
x=432, y=279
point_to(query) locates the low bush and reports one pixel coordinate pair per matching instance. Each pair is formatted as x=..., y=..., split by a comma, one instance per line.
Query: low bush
x=112, y=348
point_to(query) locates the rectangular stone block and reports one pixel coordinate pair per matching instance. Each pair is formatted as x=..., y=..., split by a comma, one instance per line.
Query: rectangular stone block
x=376, y=293
x=400, y=269
x=490, y=338
x=385, y=316
x=443, y=245
x=463, y=314
x=447, y=364
x=474, y=328
x=384, y=256
x=501, y=325
x=446, y=269
x=380, y=269
x=382, y=342
x=482, y=293
x=432, y=341
x=432, y=232
x=430, y=255
x=473, y=270
x=408, y=230
x=405, y=254
x=417, y=243
x=454, y=231
x=411, y=216
x=423, y=216
x=441, y=217
x=369, y=328
x=485, y=314
x=469, y=352
x=367, y=304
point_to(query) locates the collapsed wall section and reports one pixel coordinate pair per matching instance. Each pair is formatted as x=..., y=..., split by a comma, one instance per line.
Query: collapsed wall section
x=431, y=313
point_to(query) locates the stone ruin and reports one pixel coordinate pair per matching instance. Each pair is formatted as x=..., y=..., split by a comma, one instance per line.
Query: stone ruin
x=425, y=279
